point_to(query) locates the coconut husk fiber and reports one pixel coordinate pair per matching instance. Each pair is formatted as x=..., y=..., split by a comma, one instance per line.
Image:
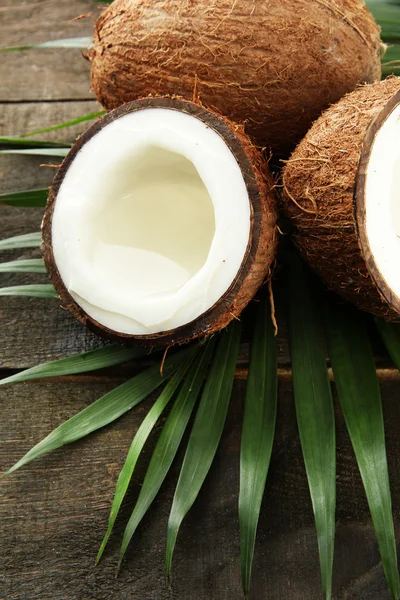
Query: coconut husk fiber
x=271, y=64
x=323, y=194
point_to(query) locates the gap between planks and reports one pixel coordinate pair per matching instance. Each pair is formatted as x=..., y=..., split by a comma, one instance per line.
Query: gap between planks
x=241, y=374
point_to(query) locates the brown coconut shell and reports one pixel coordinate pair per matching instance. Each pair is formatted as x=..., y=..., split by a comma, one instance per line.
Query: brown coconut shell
x=324, y=195
x=272, y=64
x=258, y=261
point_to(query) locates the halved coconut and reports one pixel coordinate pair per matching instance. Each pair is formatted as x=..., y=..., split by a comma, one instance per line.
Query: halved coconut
x=272, y=64
x=161, y=223
x=341, y=187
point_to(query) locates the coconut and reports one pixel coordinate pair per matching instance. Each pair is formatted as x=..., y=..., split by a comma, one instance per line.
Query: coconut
x=341, y=190
x=272, y=64
x=160, y=224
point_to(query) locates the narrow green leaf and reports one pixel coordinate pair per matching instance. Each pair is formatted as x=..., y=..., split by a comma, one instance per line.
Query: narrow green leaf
x=38, y=151
x=37, y=290
x=390, y=334
x=169, y=441
x=358, y=390
x=138, y=443
x=24, y=143
x=391, y=60
x=387, y=15
x=105, y=410
x=29, y=240
x=392, y=54
x=206, y=433
x=26, y=198
x=78, y=42
x=108, y=356
x=258, y=433
x=33, y=265
x=315, y=416
x=70, y=123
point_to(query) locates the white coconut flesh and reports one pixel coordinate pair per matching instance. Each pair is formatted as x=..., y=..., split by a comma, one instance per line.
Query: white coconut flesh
x=382, y=200
x=151, y=222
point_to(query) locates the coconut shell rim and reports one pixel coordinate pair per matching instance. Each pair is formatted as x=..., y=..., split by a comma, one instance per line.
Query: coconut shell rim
x=359, y=203
x=200, y=326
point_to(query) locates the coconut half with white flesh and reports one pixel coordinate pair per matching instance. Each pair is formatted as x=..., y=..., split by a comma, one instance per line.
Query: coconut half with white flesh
x=160, y=224
x=341, y=188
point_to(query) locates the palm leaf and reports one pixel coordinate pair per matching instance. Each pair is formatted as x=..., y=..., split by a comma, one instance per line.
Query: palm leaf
x=77, y=42
x=387, y=15
x=391, y=60
x=315, y=416
x=390, y=334
x=37, y=290
x=25, y=143
x=105, y=410
x=108, y=356
x=206, y=433
x=169, y=441
x=34, y=265
x=258, y=433
x=38, y=151
x=70, y=123
x=359, y=395
x=138, y=443
x=29, y=240
x=26, y=198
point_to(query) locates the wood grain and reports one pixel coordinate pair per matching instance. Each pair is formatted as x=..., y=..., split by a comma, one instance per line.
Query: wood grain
x=25, y=172
x=47, y=74
x=53, y=513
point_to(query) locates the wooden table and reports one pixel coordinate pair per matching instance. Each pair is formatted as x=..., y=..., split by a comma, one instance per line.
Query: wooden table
x=54, y=512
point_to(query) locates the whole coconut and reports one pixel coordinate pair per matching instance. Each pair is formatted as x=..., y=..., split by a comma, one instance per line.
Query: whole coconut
x=342, y=225
x=273, y=64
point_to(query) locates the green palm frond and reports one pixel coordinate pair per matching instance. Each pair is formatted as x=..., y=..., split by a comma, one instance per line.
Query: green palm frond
x=137, y=446
x=29, y=240
x=387, y=15
x=257, y=434
x=37, y=290
x=17, y=142
x=33, y=265
x=168, y=442
x=358, y=390
x=71, y=122
x=390, y=334
x=105, y=410
x=36, y=197
x=206, y=433
x=315, y=416
x=108, y=356
x=44, y=151
x=77, y=42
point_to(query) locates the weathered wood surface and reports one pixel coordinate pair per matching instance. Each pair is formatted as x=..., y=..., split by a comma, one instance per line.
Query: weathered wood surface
x=54, y=512
x=47, y=74
x=25, y=172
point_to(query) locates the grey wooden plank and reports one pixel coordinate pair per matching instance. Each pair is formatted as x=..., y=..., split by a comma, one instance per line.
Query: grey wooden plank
x=44, y=74
x=34, y=331
x=24, y=172
x=53, y=512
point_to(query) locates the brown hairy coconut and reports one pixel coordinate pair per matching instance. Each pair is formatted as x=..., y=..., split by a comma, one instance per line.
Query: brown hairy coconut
x=272, y=64
x=160, y=224
x=341, y=190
